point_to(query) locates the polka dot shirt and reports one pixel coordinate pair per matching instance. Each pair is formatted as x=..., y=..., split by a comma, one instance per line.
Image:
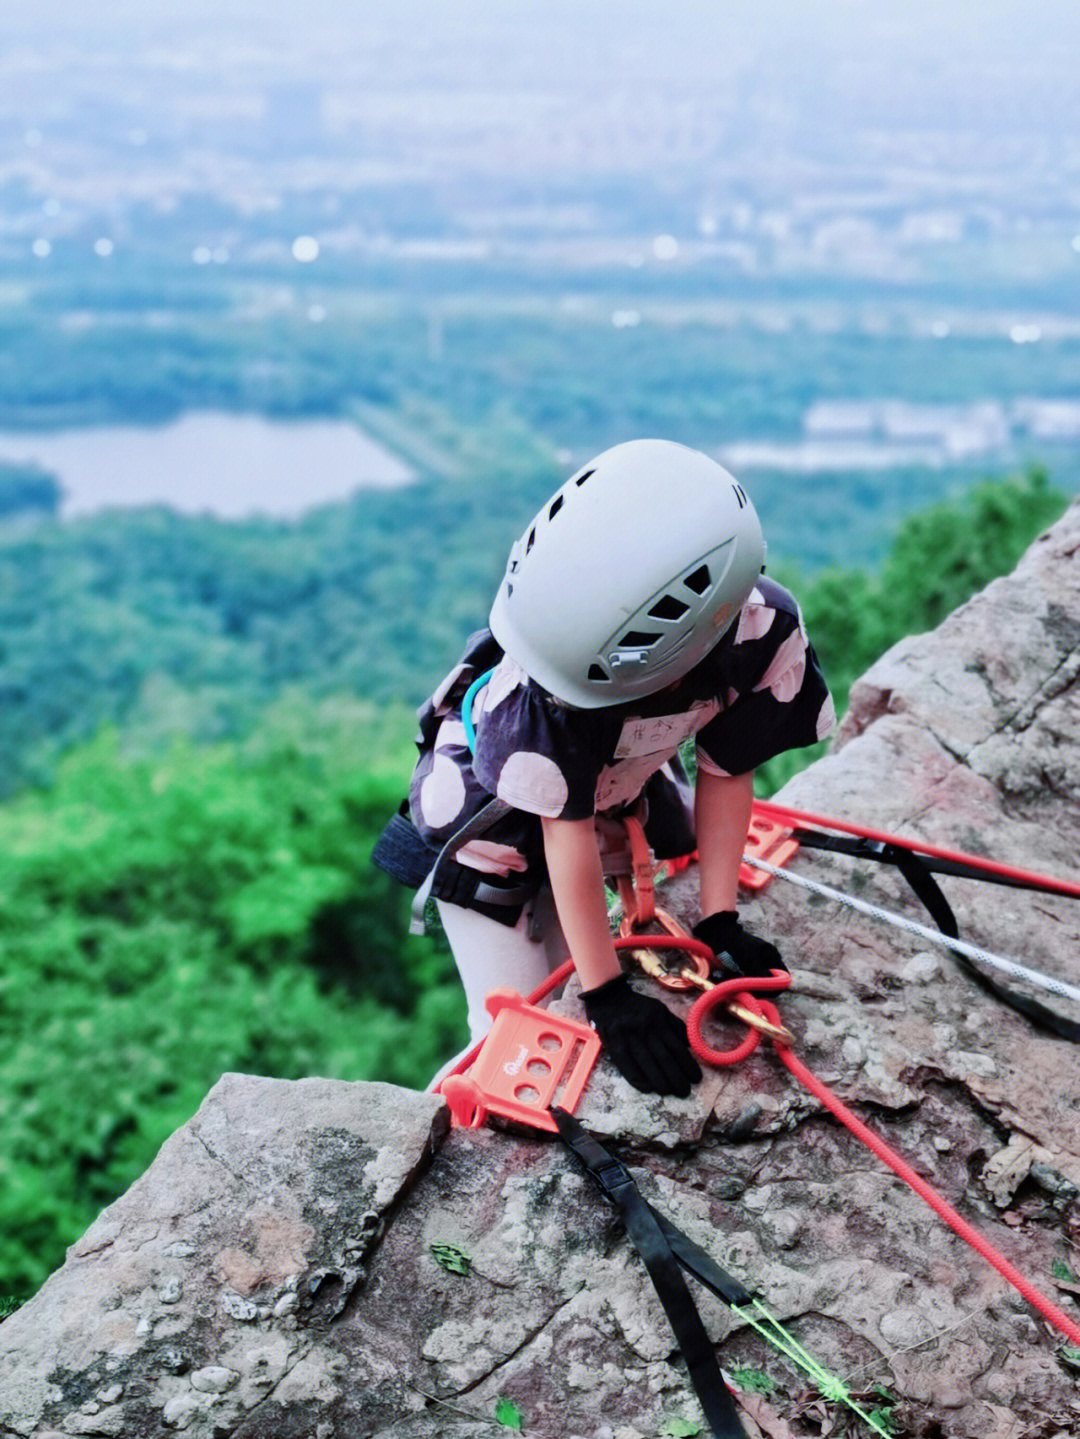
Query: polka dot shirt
x=757, y=693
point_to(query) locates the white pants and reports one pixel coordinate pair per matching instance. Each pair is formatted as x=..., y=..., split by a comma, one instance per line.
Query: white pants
x=491, y=956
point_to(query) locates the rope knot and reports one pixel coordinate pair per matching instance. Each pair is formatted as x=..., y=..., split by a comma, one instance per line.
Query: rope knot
x=834, y=1388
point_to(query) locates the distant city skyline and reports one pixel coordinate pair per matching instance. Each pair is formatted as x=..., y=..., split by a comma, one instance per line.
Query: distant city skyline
x=790, y=105
x=396, y=215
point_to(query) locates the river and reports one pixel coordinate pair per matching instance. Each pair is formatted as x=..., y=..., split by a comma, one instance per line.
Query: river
x=232, y=466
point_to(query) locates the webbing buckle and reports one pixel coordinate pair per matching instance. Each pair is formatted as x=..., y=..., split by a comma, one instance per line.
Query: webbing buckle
x=611, y=1176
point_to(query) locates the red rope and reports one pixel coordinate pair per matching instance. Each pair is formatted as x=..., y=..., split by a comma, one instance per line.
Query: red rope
x=787, y=815
x=743, y=990
x=729, y=989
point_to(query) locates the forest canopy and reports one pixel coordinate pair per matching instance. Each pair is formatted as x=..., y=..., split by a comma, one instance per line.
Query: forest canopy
x=204, y=728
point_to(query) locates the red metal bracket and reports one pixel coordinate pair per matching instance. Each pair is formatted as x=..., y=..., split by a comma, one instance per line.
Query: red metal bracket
x=528, y=1061
x=766, y=839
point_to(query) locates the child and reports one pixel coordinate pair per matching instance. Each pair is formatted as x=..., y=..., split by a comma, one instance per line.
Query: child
x=632, y=615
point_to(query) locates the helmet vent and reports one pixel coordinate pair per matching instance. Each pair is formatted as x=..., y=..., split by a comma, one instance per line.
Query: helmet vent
x=668, y=608
x=582, y=478
x=699, y=581
x=531, y=540
x=637, y=640
x=596, y=673
x=740, y=496
x=556, y=506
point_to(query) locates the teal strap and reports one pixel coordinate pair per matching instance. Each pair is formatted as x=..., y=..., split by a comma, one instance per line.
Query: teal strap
x=466, y=708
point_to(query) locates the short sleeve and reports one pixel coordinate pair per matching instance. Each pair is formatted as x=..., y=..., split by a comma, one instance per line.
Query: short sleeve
x=777, y=698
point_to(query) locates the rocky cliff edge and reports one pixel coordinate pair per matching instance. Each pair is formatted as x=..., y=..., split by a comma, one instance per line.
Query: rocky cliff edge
x=272, y=1275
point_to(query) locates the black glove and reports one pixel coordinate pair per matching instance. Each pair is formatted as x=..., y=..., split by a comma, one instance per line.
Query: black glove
x=647, y=1044
x=737, y=950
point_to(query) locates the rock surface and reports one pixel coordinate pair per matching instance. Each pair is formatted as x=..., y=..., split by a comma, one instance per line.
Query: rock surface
x=272, y=1275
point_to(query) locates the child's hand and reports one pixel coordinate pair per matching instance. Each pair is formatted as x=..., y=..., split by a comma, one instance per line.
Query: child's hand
x=727, y=939
x=647, y=1044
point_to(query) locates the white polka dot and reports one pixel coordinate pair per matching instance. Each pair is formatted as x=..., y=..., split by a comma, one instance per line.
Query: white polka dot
x=784, y=676
x=438, y=699
x=826, y=720
x=623, y=781
x=507, y=678
x=451, y=731
x=754, y=621
x=533, y=782
x=442, y=793
x=491, y=857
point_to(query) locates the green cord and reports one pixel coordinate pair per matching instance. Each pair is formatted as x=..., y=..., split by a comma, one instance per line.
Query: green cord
x=829, y=1385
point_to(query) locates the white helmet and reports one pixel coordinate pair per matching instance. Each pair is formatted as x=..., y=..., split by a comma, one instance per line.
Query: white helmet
x=629, y=574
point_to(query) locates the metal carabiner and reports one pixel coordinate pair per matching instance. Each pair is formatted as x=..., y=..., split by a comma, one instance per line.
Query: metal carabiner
x=766, y=1018
x=692, y=974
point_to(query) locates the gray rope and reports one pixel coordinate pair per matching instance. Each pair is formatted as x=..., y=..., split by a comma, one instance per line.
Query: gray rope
x=972, y=951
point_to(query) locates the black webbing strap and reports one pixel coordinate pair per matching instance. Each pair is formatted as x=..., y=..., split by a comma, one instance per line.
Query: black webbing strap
x=663, y=1248
x=886, y=853
x=926, y=888
x=479, y=824
x=702, y=1266
x=919, y=871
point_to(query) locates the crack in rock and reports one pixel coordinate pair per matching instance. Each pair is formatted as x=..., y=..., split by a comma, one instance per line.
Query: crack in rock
x=196, y=1134
x=505, y=1359
x=1044, y=694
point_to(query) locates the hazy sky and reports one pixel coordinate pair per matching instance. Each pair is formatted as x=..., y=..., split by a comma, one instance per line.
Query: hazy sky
x=578, y=32
x=990, y=63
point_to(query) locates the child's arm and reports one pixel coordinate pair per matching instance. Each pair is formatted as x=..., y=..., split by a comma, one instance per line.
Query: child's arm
x=642, y=1037
x=577, y=882
x=721, y=820
x=722, y=817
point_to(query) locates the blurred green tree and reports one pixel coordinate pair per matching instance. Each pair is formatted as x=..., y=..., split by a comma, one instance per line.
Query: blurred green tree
x=165, y=919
